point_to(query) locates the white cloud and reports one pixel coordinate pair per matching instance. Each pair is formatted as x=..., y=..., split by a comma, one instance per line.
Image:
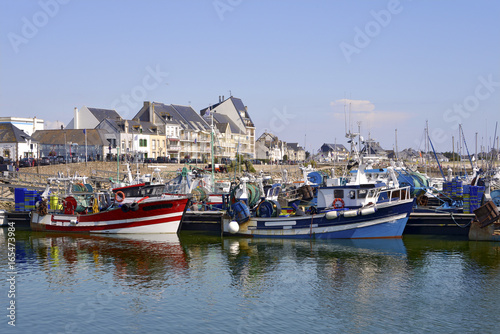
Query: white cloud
x=364, y=111
x=353, y=105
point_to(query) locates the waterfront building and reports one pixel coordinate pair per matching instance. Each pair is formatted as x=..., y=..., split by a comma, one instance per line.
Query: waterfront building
x=186, y=135
x=333, y=152
x=15, y=143
x=234, y=113
x=270, y=147
x=72, y=143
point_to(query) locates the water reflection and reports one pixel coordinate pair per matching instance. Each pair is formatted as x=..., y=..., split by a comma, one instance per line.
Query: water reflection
x=134, y=259
x=142, y=259
x=253, y=259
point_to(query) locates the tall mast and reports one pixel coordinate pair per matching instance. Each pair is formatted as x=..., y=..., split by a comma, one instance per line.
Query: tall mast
x=396, y=135
x=453, y=150
x=426, y=146
x=212, y=149
x=476, y=150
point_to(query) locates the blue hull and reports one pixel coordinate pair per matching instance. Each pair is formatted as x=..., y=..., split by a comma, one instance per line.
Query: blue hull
x=388, y=221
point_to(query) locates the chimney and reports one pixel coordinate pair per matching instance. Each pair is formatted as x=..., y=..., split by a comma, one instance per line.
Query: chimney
x=76, y=122
x=220, y=99
x=126, y=126
x=34, y=124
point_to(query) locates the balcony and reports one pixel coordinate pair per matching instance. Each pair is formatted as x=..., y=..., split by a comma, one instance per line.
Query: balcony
x=173, y=148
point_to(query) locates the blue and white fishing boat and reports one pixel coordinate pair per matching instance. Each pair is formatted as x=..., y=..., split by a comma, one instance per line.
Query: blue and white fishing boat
x=359, y=208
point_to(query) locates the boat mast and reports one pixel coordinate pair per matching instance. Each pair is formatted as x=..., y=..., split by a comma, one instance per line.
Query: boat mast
x=476, y=150
x=426, y=145
x=212, y=148
x=396, y=135
x=453, y=149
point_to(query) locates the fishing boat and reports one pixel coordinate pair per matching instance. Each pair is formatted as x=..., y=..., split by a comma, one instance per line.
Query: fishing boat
x=358, y=209
x=156, y=215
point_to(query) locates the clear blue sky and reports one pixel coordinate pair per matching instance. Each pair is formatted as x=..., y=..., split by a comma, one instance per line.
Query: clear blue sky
x=398, y=63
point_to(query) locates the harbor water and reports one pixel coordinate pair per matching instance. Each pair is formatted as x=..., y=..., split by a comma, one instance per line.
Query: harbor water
x=192, y=283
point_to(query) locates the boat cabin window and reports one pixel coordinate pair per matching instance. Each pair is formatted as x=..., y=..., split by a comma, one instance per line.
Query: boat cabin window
x=352, y=194
x=371, y=193
x=338, y=193
x=362, y=193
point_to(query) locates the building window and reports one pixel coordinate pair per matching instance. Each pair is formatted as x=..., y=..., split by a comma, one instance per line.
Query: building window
x=153, y=144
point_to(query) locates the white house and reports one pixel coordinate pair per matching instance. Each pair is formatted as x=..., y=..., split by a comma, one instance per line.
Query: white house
x=89, y=118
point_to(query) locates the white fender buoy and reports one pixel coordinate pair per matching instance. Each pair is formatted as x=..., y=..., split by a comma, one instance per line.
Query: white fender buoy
x=233, y=227
x=368, y=211
x=350, y=213
x=331, y=214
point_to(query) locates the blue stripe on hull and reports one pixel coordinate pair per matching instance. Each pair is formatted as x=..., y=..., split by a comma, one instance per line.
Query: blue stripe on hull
x=388, y=222
x=386, y=230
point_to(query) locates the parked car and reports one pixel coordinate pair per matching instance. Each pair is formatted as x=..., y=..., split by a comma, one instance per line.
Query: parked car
x=61, y=159
x=162, y=160
x=27, y=162
x=225, y=161
x=53, y=160
x=44, y=161
x=5, y=161
x=149, y=161
x=173, y=160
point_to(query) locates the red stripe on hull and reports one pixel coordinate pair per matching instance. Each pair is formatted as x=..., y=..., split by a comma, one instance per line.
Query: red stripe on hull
x=110, y=220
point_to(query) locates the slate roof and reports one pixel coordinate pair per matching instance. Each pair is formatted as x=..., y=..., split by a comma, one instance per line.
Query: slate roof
x=294, y=146
x=219, y=118
x=102, y=114
x=191, y=119
x=10, y=133
x=372, y=147
x=221, y=127
x=238, y=105
x=185, y=116
x=60, y=137
x=332, y=147
x=134, y=126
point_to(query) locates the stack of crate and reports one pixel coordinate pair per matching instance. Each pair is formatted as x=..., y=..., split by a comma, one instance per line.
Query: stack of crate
x=472, y=197
x=453, y=189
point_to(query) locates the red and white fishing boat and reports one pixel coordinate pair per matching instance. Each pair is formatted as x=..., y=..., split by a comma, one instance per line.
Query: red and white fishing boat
x=151, y=215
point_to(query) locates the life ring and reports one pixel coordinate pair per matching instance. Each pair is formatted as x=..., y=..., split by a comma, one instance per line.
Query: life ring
x=119, y=196
x=335, y=201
